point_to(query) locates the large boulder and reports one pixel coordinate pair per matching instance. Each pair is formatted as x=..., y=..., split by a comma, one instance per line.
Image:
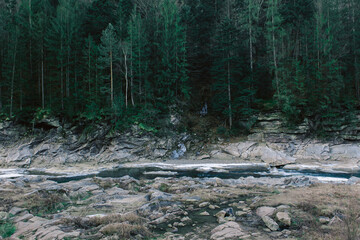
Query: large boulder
x=271, y=156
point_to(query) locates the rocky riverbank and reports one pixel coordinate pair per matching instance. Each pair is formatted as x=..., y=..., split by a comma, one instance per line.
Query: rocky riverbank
x=164, y=208
x=269, y=142
x=91, y=202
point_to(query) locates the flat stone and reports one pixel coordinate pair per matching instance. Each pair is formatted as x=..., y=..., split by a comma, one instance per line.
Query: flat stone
x=265, y=211
x=15, y=210
x=227, y=231
x=24, y=218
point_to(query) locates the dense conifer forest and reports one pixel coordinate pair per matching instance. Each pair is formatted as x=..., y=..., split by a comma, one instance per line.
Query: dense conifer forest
x=129, y=61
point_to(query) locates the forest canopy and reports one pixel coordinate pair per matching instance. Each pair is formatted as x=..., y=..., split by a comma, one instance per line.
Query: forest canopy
x=138, y=59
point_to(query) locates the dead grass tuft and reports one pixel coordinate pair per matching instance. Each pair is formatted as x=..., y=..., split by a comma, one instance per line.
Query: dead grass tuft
x=124, y=230
x=117, y=218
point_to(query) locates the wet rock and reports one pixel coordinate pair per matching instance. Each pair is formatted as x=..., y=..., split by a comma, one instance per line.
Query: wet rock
x=227, y=231
x=202, y=157
x=225, y=215
x=284, y=218
x=179, y=152
x=353, y=180
x=265, y=211
x=270, y=223
x=204, y=204
x=185, y=220
x=241, y=213
x=204, y=214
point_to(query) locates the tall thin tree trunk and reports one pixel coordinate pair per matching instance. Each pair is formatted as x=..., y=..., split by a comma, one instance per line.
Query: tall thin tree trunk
x=96, y=80
x=89, y=66
x=68, y=73
x=132, y=75
x=61, y=74
x=251, y=48
x=111, y=79
x=229, y=75
x=21, y=93
x=1, y=106
x=13, y=80
x=42, y=79
x=126, y=80
x=274, y=51
x=30, y=39
x=1, y=61
x=229, y=93
x=356, y=75
x=250, y=39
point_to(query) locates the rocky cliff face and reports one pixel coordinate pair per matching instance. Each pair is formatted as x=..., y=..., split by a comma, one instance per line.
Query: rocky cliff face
x=68, y=145
x=270, y=141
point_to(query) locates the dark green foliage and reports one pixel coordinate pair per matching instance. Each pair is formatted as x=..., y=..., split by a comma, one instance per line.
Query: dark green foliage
x=134, y=61
x=7, y=229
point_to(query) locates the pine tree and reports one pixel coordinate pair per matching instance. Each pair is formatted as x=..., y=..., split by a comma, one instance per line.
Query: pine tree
x=108, y=55
x=172, y=74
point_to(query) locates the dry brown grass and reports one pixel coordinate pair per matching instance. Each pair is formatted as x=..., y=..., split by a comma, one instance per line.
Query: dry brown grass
x=104, y=183
x=132, y=218
x=124, y=230
x=329, y=200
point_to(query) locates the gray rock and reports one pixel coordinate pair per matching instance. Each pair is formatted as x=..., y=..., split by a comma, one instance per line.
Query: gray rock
x=204, y=214
x=265, y=211
x=284, y=218
x=227, y=231
x=15, y=210
x=353, y=180
x=270, y=223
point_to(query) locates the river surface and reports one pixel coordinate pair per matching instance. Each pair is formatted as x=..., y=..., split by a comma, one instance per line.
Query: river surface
x=152, y=171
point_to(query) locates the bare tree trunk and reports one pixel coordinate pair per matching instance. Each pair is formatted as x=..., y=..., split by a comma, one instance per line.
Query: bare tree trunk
x=250, y=39
x=89, y=66
x=229, y=75
x=140, y=75
x=111, y=80
x=250, y=48
x=68, y=73
x=274, y=53
x=96, y=79
x=132, y=75
x=1, y=61
x=42, y=79
x=126, y=79
x=61, y=75
x=356, y=76
x=30, y=39
x=1, y=106
x=13, y=80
